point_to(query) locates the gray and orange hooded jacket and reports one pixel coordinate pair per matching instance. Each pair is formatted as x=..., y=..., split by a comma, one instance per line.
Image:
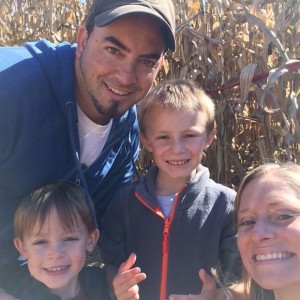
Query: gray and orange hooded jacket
x=199, y=233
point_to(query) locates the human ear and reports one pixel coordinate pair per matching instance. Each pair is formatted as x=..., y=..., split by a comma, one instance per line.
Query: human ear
x=92, y=240
x=145, y=142
x=210, y=137
x=82, y=37
x=20, y=247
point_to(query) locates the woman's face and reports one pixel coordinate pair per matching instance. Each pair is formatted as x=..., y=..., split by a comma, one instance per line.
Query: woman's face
x=269, y=232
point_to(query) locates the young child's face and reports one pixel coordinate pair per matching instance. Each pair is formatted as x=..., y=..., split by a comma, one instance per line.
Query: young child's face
x=176, y=140
x=269, y=232
x=55, y=257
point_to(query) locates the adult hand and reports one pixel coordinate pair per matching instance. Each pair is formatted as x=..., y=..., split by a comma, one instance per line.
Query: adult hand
x=5, y=296
x=209, y=290
x=125, y=283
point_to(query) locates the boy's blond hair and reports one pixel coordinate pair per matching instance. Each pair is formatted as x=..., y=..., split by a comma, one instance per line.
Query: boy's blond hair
x=178, y=94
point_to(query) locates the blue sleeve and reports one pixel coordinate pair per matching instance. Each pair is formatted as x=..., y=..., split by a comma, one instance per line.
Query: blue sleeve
x=120, y=174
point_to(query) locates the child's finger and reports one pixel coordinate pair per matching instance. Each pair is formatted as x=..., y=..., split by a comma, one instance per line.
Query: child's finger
x=209, y=283
x=208, y=291
x=127, y=265
x=129, y=278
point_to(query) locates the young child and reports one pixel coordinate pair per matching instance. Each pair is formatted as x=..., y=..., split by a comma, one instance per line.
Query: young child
x=268, y=218
x=175, y=219
x=53, y=230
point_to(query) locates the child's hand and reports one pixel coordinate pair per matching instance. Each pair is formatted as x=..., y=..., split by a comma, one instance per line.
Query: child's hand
x=209, y=290
x=126, y=281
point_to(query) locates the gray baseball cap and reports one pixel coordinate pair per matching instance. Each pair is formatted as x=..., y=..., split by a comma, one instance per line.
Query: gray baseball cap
x=106, y=11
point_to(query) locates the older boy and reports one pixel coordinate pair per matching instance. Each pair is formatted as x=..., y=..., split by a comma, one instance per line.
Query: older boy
x=175, y=219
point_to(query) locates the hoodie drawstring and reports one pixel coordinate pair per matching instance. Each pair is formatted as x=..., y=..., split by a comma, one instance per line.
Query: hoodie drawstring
x=83, y=183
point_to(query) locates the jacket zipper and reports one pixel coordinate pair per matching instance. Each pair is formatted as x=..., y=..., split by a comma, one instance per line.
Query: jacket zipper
x=165, y=259
x=165, y=243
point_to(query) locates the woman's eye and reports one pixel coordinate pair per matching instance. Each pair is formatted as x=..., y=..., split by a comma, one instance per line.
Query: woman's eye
x=283, y=217
x=245, y=224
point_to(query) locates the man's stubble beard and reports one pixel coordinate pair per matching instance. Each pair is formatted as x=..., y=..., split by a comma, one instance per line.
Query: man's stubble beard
x=108, y=113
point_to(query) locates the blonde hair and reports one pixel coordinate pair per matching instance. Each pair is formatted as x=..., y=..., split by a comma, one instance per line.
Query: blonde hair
x=289, y=174
x=178, y=94
x=66, y=197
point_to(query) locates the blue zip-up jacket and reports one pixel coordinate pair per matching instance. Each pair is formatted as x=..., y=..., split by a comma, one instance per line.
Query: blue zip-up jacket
x=199, y=233
x=39, y=139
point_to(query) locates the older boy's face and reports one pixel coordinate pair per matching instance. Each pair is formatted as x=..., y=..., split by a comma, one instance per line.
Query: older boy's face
x=177, y=140
x=55, y=256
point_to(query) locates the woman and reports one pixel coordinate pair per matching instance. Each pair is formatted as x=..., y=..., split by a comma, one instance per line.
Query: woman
x=267, y=214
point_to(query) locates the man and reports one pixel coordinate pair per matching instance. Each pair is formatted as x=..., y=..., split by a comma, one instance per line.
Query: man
x=68, y=111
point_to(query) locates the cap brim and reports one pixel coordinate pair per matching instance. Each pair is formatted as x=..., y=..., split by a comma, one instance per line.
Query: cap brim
x=111, y=15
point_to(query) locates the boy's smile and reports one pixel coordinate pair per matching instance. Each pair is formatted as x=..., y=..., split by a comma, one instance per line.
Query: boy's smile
x=55, y=256
x=176, y=139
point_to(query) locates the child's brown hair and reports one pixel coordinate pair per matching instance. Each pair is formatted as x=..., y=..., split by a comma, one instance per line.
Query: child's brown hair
x=66, y=197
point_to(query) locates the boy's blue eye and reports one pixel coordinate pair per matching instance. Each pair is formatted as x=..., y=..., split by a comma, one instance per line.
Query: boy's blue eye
x=71, y=239
x=163, y=137
x=190, y=135
x=40, y=242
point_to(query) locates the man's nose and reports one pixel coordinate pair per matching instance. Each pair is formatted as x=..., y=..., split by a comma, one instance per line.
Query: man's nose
x=127, y=73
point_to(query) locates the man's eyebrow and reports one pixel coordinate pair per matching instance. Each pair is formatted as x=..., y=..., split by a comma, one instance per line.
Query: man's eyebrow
x=156, y=56
x=120, y=45
x=115, y=41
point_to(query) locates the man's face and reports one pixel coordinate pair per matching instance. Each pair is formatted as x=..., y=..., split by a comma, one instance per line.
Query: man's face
x=117, y=64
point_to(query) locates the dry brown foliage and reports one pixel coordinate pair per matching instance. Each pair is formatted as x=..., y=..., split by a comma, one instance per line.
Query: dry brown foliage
x=244, y=53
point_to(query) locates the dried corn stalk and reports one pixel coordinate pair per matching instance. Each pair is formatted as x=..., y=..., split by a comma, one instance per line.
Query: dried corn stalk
x=245, y=54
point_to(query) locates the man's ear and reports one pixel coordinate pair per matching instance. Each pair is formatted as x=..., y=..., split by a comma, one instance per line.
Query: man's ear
x=20, y=246
x=92, y=240
x=82, y=37
x=210, y=137
x=145, y=142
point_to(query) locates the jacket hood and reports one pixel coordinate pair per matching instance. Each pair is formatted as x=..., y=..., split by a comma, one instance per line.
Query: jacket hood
x=57, y=61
